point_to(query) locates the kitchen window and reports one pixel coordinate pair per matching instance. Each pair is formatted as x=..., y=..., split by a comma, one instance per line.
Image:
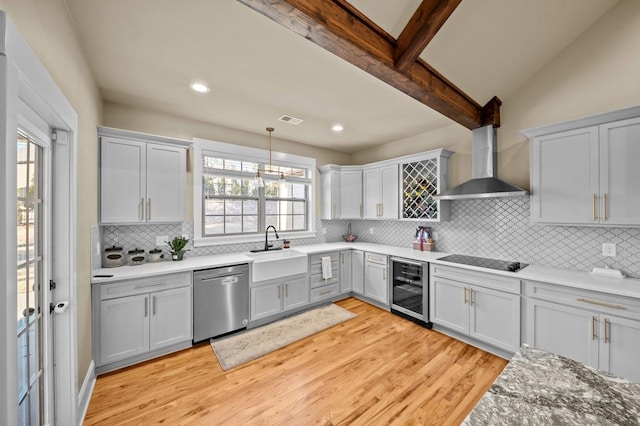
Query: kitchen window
x=229, y=204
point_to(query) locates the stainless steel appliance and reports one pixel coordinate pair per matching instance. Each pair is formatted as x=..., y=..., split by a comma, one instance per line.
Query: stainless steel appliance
x=410, y=290
x=500, y=265
x=220, y=301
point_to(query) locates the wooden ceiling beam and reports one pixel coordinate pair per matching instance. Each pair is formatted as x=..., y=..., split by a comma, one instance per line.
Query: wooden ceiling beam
x=339, y=28
x=420, y=30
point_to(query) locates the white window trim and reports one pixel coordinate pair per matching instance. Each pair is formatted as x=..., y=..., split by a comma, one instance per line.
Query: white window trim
x=227, y=150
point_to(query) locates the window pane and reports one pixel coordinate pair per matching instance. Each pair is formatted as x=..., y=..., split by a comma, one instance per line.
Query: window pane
x=30, y=234
x=34, y=397
x=23, y=354
x=23, y=417
x=233, y=224
x=213, y=207
x=22, y=297
x=249, y=167
x=232, y=165
x=32, y=291
x=286, y=207
x=299, y=223
x=299, y=191
x=271, y=220
x=233, y=187
x=22, y=178
x=285, y=223
x=271, y=189
x=213, y=186
x=214, y=225
x=213, y=163
x=250, y=207
x=34, y=347
x=233, y=207
x=250, y=223
x=271, y=207
x=299, y=207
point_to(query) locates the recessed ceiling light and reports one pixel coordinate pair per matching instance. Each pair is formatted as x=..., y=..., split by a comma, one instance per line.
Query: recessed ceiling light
x=337, y=128
x=199, y=87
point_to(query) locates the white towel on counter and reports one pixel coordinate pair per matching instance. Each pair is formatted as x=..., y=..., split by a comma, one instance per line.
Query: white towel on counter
x=326, y=268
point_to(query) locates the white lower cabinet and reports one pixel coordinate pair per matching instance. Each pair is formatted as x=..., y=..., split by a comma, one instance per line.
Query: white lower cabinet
x=357, y=271
x=376, y=283
x=599, y=330
x=483, y=306
x=272, y=297
x=134, y=318
x=346, y=273
x=171, y=317
x=124, y=328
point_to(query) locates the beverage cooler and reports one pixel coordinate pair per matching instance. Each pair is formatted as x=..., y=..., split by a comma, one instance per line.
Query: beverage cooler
x=410, y=291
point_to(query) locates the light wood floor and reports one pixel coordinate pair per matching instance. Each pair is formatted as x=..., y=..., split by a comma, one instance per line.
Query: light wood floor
x=375, y=369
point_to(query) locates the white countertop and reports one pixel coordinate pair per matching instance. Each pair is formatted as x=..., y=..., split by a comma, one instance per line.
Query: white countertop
x=629, y=287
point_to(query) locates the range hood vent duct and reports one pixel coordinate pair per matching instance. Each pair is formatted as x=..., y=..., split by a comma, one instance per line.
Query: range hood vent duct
x=484, y=163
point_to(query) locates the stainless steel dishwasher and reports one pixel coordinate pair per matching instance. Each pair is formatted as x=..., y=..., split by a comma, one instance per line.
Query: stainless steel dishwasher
x=220, y=301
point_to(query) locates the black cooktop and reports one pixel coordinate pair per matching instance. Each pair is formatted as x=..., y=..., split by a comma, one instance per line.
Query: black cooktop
x=500, y=265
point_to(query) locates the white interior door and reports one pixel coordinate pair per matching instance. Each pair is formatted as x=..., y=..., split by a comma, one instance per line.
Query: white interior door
x=35, y=342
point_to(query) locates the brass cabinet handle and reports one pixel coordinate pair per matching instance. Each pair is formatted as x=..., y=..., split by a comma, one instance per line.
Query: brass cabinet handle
x=149, y=209
x=333, y=211
x=384, y=274
x=597, y=302
x=342, y=258
x=593, y=204
x=154, y=307
x=604, y=207
x=606, y=336
x=146, y=307
x=471, y=298
x=278, y=292
x=325, y=292
x=141, y=209
x=286, y=290
x=381, y=209
x=593, y=328
x=465, y=295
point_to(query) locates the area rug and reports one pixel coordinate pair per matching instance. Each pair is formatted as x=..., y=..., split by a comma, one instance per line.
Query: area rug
x=240, y=348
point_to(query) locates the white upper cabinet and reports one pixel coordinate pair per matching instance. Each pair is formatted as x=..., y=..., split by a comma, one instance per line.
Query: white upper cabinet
x=585, y=171
x=620, y=173
x=350, y=194
x=143, y=178
x=330, y=192
x=401, y=187
x=380, y=194
x=564, y=177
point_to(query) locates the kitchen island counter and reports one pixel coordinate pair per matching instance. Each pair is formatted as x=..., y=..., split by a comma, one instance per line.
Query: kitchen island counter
x=540, y=388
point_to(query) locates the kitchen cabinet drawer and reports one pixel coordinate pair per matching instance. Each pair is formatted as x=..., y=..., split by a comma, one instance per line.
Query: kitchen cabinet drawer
x=325, y=292
x=585, y=299
x=488, y=280
x=380, y=259
x=317, y=281
x=317, y=268
x=144, y=285
x=316, y=259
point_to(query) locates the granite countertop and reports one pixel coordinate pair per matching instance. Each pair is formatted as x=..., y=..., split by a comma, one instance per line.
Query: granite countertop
x=541, y=388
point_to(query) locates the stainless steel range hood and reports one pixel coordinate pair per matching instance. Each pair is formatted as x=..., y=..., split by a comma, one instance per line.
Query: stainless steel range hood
x=484, y=163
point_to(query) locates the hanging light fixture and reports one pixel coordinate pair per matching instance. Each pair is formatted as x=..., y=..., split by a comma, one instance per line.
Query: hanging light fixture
x=258, y=178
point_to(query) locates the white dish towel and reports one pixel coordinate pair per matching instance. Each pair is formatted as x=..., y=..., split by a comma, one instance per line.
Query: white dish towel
x=326, y=268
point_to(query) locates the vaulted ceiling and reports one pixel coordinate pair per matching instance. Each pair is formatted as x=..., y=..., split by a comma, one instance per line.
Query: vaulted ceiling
x=146, y=53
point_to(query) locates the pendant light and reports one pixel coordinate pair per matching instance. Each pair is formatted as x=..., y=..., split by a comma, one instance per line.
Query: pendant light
x=259, y=179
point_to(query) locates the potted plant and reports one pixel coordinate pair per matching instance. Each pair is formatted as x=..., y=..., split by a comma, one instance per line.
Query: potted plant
x=177, y=246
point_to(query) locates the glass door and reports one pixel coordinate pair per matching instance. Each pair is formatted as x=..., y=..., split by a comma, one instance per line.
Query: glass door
x=407, y=287
x=32, y=282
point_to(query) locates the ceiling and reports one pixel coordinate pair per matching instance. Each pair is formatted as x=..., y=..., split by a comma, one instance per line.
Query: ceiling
x=146, y=53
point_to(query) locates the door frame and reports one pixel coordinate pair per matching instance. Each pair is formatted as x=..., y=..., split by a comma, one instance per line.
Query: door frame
x=23, y=77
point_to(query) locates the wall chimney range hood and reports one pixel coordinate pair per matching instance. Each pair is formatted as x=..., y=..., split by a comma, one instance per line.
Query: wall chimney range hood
x=484, y=163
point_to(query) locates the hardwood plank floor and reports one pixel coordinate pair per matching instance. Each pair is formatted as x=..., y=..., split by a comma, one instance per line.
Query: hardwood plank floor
x=376, y=368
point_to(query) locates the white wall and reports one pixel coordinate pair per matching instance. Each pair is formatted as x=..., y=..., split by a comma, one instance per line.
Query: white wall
x=596, y=73
x=46, y=26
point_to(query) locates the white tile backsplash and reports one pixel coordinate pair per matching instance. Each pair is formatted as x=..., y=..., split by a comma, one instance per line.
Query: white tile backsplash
x=498, y=228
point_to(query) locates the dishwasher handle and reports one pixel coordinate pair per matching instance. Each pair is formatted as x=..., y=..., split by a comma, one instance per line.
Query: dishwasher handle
x=218, y=277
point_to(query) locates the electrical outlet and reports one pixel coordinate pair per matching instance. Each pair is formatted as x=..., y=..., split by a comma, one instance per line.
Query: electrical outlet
x=371, y=231
x=161, y=240
x=609, y=249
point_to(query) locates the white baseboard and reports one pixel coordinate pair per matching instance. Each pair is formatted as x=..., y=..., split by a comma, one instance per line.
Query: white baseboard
x=84, y=396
